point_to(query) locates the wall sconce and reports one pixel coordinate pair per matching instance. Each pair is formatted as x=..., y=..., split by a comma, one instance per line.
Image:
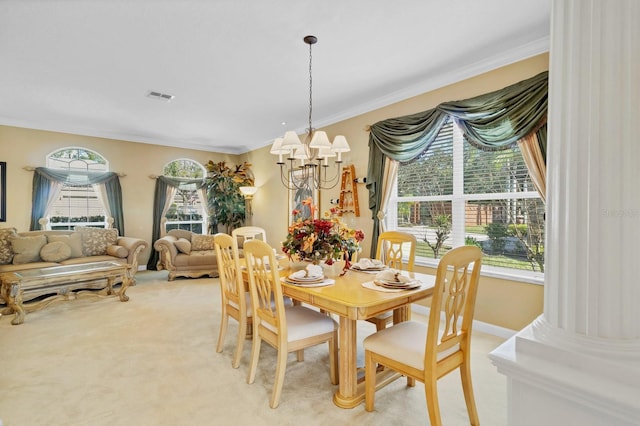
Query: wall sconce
x=248, y=192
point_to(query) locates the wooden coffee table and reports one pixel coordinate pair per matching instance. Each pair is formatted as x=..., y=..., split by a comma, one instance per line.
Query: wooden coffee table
x=60, y=282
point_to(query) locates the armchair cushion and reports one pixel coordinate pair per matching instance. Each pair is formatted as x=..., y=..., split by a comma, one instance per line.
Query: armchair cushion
x=183, y=245
x=55, y=252
x=202, y=242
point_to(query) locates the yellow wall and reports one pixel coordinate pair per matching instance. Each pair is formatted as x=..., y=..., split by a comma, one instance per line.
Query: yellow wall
x=21, y=147
x=501, y=302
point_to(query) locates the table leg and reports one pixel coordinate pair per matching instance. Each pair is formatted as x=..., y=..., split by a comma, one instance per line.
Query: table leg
x=14, y=301
x=347, y=397
x=126, y=282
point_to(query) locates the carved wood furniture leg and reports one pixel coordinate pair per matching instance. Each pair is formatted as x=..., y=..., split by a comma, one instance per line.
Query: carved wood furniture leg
x=14, y=300
x=126, y=282
x=110, y=281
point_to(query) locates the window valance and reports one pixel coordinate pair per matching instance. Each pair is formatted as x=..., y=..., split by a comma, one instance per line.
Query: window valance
x=492, y=121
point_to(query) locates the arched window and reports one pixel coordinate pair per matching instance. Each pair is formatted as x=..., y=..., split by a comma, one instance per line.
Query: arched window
x=77, y=205
x=188, y=209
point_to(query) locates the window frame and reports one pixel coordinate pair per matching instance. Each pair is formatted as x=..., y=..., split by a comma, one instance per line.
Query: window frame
x=178, y=224
x=70, y=225
x=458, y=201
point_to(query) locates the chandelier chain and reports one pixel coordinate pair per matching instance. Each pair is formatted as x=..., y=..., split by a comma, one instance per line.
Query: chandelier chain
x=310, y=90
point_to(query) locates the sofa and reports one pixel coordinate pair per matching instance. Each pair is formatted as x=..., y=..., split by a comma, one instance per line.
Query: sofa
x=20, y=251
x=186, y=254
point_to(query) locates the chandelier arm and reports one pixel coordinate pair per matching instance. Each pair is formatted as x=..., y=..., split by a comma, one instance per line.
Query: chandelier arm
x=330, y=183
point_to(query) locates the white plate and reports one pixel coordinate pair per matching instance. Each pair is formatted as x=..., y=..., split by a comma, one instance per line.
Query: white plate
x=323, y=283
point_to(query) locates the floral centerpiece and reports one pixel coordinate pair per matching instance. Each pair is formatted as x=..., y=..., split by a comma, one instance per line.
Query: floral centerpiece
x=328, y=239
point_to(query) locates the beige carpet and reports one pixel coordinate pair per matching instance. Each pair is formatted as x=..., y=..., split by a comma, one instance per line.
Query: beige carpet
x=152, y=361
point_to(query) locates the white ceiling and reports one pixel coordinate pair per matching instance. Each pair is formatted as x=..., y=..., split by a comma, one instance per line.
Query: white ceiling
x=239, y=68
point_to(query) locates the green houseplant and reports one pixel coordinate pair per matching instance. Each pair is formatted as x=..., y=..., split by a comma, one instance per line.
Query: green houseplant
x=225, y=203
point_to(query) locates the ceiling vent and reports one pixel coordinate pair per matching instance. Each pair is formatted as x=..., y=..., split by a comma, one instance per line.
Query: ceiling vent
x=161, y=96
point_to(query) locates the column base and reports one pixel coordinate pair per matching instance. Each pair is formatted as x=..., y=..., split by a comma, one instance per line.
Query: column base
x=551, y=380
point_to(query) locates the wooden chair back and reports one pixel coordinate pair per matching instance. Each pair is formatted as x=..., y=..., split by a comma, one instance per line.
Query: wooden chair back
x=249, y=233
x=452, y=310
x=266, y=292
x=393, y=245
x=233, y=295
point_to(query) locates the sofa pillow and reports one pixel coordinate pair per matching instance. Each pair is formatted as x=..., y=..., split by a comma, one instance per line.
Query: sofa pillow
x=183, y=245
x=180, y=233
x=96, y=240
x=55, y=252
x=202, y=242
x=74, y=241
x=6, y=252
x=117, y=251
x=27, y=249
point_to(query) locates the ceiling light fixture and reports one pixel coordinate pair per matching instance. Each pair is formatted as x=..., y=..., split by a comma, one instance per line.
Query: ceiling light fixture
x=308, y=160
x=160, y=96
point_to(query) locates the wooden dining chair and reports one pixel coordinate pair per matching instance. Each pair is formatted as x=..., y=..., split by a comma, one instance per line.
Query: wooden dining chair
x=427, y=352
x=235, y=300
x=249, y=233
x=286, y=328
x=392, y=248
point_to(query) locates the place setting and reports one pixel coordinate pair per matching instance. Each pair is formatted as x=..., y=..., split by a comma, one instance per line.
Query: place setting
x=392, y=280
x=370, y=266
x=311, y=276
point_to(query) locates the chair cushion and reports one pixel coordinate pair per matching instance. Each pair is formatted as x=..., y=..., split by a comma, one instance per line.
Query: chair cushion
x=303, y=322
x=404, y=342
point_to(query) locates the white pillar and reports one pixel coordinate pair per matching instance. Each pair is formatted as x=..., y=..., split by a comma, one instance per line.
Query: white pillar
x=579, y=363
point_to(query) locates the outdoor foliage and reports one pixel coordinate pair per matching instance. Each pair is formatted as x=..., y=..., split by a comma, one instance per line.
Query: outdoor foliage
x=442, y=225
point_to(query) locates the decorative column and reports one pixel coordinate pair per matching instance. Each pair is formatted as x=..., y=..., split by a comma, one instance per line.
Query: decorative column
x=579, y=362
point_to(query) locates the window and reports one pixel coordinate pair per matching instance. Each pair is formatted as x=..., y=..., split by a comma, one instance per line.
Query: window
x=187, y=210
x=455, y=194
x=76, y=205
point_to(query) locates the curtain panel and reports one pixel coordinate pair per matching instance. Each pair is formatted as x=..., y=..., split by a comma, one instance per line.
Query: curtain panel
x=45, y=180
x=492, y=121
x=164, y=191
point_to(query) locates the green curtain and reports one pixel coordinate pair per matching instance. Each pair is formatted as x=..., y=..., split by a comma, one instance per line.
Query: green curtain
x=43, y=176
x=159, y=200
x=492, y=121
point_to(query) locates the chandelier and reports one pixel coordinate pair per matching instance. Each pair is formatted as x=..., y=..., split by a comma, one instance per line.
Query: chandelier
x=308, y=161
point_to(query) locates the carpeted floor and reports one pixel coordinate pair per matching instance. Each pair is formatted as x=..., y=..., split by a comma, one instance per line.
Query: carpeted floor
x=152, y=361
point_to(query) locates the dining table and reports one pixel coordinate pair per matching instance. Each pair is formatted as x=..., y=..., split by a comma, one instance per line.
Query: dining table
x=354, y=297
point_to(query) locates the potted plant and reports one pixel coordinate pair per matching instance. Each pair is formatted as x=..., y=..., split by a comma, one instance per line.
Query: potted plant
x=225, y=203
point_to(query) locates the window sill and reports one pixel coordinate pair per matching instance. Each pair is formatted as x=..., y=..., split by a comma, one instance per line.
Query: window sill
x=529, y=277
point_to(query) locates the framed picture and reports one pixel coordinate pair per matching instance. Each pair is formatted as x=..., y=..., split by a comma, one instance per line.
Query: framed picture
x=302, y=183
x=3, y=191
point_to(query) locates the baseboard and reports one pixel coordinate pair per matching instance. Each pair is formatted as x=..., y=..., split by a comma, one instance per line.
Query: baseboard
x=483, y=327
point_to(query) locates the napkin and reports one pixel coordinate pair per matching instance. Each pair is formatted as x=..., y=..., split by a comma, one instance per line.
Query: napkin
x=365, y=263
x=392, y=275
x=310, y=271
